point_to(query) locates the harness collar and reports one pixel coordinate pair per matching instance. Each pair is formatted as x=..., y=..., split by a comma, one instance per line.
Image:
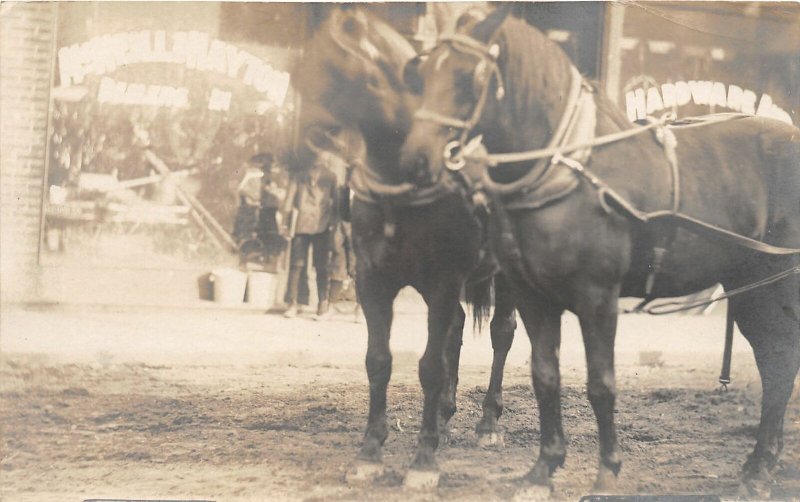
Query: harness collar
x=577, y=125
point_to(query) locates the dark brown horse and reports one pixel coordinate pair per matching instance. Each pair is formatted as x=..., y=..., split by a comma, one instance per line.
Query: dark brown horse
x=561, y=231
x=433, y=239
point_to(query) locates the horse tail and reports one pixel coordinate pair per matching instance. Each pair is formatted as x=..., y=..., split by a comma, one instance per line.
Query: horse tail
x=479, y=296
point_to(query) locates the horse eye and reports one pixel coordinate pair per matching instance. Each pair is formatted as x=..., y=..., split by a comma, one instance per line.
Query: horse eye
x=349, y=25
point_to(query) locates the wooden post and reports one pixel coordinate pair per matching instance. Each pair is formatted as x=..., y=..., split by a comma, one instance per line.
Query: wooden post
x=612, y=50
x=199, y=213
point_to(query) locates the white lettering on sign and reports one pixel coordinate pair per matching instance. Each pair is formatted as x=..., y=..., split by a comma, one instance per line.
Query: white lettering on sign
x=219, y=100
x=640, y=103
x=195, y=50
x=123, y=93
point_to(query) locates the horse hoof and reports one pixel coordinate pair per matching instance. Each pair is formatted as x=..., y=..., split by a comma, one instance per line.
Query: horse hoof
x=491, y=439
x=421, y=480
x=533, y=493
x=755, y=490
x=362, y=472
x=606, y=484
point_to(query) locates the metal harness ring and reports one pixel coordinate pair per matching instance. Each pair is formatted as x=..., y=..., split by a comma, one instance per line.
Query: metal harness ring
x=454, y=156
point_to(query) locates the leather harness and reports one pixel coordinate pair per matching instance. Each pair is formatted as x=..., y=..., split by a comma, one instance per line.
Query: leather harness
x=564, y=150
x=572, y=155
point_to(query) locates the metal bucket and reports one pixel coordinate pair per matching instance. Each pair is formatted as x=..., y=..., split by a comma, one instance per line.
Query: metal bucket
x=229, y=286
x=261, y=289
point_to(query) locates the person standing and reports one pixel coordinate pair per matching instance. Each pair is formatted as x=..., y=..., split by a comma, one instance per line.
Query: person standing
x=272, y=195
x=310, y=212
x=248, y=193
x=342, y=262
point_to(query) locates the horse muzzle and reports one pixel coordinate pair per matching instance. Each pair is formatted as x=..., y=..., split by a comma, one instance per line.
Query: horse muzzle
x=419, y=171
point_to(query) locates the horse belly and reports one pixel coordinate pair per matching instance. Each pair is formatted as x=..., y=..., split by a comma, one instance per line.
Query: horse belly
x=691, y=264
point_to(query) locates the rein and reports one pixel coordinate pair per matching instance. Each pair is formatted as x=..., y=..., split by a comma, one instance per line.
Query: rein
x=673, y=307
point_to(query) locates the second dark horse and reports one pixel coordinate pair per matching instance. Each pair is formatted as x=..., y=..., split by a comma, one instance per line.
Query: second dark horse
x=432, y=238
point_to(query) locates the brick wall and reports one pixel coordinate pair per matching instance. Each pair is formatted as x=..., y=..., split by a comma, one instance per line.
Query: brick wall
x=26, y=44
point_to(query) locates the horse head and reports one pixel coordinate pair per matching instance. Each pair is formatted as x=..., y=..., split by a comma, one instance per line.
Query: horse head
x=350, y=78
x=353, y=66
x=490, y=79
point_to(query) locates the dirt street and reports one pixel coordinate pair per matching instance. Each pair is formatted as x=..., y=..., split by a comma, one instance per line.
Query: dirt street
x=220, y=405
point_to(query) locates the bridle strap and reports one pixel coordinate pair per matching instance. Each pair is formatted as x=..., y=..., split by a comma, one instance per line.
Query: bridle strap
x=488, y=56
x=424, y=114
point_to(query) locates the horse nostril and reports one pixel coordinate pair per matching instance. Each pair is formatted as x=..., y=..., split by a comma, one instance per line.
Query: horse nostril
x=421, y=167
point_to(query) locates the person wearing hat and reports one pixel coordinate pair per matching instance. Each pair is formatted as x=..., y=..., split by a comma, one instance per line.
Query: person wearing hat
x=249, y=194
x=312, y=197
x=260, y=195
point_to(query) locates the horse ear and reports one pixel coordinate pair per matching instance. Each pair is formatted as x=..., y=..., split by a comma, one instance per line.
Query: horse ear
x=469, y=19
x=411, y=75
x=485, y=30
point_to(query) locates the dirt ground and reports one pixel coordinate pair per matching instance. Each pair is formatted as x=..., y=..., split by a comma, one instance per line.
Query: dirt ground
x=156, y=413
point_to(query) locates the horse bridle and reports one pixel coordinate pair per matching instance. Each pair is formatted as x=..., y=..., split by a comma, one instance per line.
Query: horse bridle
x=487, y=54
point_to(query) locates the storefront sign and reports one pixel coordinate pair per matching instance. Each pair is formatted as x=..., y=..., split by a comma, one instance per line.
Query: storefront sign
x=112, y=91
x=194, y=50
x=640, y=102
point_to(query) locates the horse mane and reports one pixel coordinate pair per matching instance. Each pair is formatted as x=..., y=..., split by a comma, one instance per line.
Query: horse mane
x=536, y=76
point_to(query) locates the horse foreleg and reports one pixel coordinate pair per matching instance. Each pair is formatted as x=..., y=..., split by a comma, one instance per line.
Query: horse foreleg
x=377, y=302
x=447, y=403
x=768, y=319
x=502, y=326
x=442, y=300
x=597, y=311
x=543, y=324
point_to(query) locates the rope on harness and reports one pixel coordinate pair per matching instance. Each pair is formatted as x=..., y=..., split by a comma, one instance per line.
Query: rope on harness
x=672, y=307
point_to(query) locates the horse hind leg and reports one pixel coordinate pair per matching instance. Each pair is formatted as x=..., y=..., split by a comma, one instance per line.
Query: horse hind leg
x=502, y=326
x=768, y=319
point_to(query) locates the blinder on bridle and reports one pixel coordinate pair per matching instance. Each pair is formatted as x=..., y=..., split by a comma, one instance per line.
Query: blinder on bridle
x=484, y=70
x=411, y=75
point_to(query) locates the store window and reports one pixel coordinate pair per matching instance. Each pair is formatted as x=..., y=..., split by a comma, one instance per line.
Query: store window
x=156, y=110
x=706, y=57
